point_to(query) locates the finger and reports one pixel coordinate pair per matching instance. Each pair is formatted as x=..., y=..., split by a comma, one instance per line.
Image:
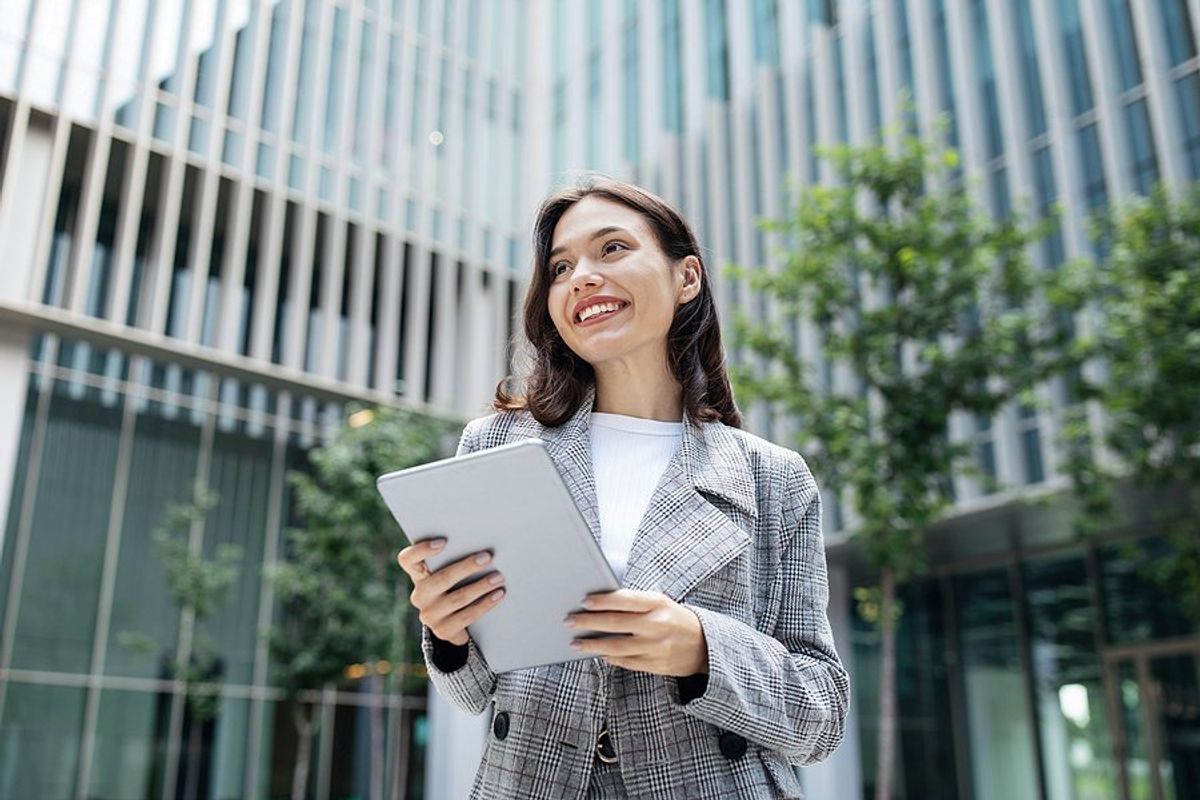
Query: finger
x=410, y=557
x=608, y=621
x=451, y=602
x=458, y=621
x=622, y=600
x=621, y=646
x=442, y=579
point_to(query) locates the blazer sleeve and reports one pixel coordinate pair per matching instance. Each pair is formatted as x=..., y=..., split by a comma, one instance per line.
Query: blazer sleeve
x=459, y=671
x=786, y=691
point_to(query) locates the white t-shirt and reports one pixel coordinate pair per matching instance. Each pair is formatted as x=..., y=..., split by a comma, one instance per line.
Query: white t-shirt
x=629, y=456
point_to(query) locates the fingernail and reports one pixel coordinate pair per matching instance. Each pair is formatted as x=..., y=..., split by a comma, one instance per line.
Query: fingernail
x=588, y=602
x=496, y=595
x=575, y=645
x=483, y=558
x=496, y=579
x=569, y=622
x=438, y=545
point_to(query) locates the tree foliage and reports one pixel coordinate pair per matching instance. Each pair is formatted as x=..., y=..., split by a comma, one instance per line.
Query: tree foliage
x=1145, y=338
x=925, y=307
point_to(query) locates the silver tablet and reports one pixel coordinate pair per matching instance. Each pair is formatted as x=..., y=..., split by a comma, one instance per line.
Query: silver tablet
x=511, y=501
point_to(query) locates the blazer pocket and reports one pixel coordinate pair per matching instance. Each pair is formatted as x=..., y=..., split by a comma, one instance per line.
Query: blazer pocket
x=787, y=784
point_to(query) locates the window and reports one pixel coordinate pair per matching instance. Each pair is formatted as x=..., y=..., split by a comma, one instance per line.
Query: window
x=717, y=49
x=1046, y=194
x=766, y=32
x=632, y=85
x=1143, y=162
x=1035, y=108
x=672, y=80
x=1187, y=89
x=1177, y=21
x=1075, y=54
x=1091, y=168
x=1120, y=23
x=987, y=79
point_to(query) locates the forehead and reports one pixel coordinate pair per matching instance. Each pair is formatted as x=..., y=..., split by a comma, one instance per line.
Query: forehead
x=591, y=214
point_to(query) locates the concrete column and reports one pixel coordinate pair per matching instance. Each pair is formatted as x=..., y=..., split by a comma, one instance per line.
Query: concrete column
x=454, y=749
x=840, y=775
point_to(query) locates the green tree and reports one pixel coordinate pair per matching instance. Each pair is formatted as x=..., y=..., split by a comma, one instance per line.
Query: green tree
x=925, y=307
x=344, y=601
x=197, y=586
x=1145, y=337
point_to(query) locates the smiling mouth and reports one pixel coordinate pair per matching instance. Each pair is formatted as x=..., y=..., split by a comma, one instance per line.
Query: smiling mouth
x=591, y=316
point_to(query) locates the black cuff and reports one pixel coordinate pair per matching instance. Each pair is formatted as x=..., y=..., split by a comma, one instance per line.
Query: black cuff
x=692, y=686
x=448, y=657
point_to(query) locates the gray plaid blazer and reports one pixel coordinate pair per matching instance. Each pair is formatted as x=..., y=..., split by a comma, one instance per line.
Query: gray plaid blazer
x=733, y=531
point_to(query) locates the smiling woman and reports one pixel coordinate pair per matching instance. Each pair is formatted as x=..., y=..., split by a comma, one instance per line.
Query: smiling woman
x=724, y=675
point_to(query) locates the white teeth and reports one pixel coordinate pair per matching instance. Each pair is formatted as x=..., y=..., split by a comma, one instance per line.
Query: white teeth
x=599, y=308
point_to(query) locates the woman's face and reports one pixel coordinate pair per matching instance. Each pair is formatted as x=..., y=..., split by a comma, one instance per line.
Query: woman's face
x=613, y=293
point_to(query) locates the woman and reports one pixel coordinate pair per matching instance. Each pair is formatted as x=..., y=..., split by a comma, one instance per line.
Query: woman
x=728, y=674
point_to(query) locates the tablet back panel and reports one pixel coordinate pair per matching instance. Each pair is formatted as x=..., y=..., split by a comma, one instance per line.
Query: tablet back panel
x=512, y=501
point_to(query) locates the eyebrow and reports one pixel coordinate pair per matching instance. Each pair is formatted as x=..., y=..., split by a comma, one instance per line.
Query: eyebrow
x=602, y=232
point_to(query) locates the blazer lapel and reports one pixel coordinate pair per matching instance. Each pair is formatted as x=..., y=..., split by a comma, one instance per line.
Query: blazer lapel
x=571, y=450
x=684, y=538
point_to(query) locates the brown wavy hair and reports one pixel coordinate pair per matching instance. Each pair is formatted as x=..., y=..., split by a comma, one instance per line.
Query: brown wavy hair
x=556, y=380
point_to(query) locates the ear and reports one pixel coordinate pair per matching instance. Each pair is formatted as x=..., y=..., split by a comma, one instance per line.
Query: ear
x=691, y=272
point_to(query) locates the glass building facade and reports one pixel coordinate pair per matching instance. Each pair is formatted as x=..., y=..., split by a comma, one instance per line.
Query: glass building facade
x=226, y=220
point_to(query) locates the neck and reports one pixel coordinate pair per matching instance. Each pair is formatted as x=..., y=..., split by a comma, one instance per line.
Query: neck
x=656, y=396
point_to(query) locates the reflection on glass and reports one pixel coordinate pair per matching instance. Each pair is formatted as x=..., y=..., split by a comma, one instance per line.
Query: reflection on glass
x=1001, y=740
x=131, y=737
x=1175, y=681
x=1140, y=607
x=1069, y=684
x=1137, y=761
x=39, y=740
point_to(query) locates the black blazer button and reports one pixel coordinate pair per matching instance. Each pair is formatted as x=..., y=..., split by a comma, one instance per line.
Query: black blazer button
x=732, y=746
x=500, y=725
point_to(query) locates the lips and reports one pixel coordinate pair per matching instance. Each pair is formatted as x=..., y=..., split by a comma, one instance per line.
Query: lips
x=590, y=306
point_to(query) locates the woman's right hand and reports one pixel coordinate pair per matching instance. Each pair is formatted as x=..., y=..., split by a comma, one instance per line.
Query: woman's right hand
x=448, y=613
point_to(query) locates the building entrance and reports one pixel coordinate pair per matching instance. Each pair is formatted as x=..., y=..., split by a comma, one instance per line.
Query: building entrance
x=1154, y=695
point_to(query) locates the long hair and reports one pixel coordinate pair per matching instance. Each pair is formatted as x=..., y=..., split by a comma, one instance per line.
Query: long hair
x=555, y=380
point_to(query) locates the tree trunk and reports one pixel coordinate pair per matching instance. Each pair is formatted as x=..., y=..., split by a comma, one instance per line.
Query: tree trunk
x=304, y=732
x=376, y=682
x=886, y=747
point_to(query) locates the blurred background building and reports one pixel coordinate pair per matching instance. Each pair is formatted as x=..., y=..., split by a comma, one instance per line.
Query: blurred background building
x=224, y=221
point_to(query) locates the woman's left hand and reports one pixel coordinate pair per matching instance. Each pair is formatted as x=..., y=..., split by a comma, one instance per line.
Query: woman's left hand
x=663, y=637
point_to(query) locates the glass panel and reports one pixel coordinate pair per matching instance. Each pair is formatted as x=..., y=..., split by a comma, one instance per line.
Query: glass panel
x=1177, y=23
x=240, y=477
x=1069, y=683
x=280, y=746
x=56, y=620
x=1076, y=55
x=994, y=689
x=144, y=627
x=1188, y=91
x=20, y=473
x=1120, y=22
x=925, y=761
x=1137, y=761
x=39, y=740
x=1143, y=163
x=1175, y=681
x=131, y=743
x=1140, y=601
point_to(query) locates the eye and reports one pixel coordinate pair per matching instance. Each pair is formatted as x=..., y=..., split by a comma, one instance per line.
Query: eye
x=617, y=243
x=559, y=268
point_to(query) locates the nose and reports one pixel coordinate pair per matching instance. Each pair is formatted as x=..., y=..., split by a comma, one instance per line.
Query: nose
x=584, y=275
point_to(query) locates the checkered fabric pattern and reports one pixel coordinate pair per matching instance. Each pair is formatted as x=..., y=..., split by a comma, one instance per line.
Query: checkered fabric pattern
x=733, y=532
